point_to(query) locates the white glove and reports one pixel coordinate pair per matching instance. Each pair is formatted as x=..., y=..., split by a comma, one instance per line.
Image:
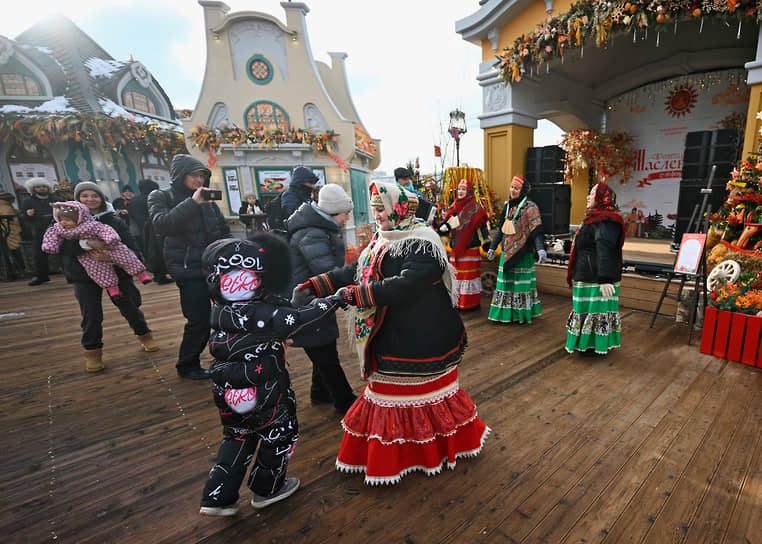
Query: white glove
x=542, y=256
x=491, y=254
x=607, y=289
x=443, y=229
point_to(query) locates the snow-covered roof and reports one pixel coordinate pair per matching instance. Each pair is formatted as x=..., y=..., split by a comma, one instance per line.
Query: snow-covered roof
x=58, y=104
x=102, y=67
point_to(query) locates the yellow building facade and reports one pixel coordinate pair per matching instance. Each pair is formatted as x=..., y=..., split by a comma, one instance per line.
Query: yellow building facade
x=267, y=106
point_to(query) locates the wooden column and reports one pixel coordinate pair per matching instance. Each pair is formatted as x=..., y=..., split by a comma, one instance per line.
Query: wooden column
x=751, y=135
x=579, y=192
x=505, y=149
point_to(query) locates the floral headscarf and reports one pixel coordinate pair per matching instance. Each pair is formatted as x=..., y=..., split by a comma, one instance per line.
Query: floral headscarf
x=400, y=204
x=605, y=201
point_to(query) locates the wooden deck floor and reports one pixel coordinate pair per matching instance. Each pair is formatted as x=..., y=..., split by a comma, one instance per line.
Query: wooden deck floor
x=655, y=443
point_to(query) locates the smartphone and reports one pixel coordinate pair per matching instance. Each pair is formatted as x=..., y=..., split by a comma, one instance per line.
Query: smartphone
x=213, y=195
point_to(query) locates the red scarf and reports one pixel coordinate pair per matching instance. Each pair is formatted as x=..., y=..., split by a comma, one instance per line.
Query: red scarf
x=604, y=209
x=471, y=216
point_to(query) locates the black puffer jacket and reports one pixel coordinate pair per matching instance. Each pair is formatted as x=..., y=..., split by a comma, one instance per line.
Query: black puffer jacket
x=43, y=212
x=418, y=332
x=597, y=255
x=247, y=346
x=185, y=226
x=70, y=249
x=316, y=245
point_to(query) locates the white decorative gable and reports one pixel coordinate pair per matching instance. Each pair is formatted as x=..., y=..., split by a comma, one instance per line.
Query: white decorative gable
x=264, y=37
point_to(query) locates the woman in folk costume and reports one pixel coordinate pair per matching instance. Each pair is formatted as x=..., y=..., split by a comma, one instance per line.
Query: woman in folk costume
x=520, y=231
x=595, y=268
x=412, y=413
x=464, y=220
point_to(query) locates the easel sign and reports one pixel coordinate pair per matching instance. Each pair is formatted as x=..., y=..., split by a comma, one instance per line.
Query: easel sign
x=691, y=251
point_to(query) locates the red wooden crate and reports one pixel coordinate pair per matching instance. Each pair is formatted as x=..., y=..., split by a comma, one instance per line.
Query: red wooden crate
x=707, y=333
x=721, y=334
x=736, y=337
x=732, y=336
x=753, y=329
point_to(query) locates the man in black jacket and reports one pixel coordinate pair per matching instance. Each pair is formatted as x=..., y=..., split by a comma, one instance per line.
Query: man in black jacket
x=299, y=191
x=316, y=246
x=188, y=222
x=36, y=210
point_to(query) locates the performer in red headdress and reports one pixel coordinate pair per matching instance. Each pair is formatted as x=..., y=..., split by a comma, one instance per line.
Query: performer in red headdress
x=463, y=222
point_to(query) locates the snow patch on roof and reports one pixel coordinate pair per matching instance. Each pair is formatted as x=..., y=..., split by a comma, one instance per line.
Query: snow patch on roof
x=102, y=68
x=112, y=109
x=57, y=104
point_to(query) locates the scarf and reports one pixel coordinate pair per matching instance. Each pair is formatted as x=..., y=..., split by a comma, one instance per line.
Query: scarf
x=526, y=217
x=126, y=199
x=604, y=209
x=471, y=216
x=408, y=234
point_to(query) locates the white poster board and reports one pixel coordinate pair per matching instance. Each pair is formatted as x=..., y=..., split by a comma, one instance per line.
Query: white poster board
x=21, y=172
x=233, y=188
x=691, y=250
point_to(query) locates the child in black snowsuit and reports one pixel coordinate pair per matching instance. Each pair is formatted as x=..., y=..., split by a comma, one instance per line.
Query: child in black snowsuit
x=252, y=388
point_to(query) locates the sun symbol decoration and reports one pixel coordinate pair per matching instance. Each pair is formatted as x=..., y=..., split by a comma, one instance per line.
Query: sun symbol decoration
x=681, y=100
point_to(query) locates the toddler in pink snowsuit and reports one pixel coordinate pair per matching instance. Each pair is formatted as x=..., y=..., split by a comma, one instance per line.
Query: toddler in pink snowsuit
x=73, y=222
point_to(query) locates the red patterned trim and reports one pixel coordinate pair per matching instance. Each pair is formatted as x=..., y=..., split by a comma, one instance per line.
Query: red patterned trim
x=423, y=388
x=322, y=285
x=437, y=358
x=365, y=296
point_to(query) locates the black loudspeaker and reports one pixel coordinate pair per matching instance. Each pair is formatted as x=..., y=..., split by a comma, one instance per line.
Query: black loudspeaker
x=545, y=165
x=690, y=196
x=554, y=201
x=704, y=149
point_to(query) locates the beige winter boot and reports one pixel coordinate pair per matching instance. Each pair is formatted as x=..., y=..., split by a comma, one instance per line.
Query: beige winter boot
x=93, y=360
x=148, y=343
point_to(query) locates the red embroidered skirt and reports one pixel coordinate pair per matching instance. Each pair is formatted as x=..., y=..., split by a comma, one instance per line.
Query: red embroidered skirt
x=468, y=279
x=401, y=424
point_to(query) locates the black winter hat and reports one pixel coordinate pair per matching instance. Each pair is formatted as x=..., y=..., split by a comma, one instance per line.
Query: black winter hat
x=402, y=173
x=264, y=253
x=147, y=185
x=183, y=165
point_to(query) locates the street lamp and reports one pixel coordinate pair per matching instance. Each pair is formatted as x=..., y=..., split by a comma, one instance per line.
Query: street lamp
x=456, y=128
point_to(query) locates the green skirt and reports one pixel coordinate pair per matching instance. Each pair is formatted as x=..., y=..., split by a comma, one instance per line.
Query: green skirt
x=515, y=297
x=594, y=321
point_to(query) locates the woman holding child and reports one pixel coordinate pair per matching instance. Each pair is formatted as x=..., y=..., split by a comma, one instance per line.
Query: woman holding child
x=88, y=293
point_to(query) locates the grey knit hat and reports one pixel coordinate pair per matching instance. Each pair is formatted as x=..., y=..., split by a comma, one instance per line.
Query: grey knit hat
x=332, y=199
x=88, y=186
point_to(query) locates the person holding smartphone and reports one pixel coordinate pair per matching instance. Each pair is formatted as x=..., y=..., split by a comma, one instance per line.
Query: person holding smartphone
x=187, y=219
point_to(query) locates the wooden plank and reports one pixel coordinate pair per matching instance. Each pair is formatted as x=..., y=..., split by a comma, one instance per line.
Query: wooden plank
x=714, y=516
x=101, y=458
x=676, y=518
x=582, y=481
